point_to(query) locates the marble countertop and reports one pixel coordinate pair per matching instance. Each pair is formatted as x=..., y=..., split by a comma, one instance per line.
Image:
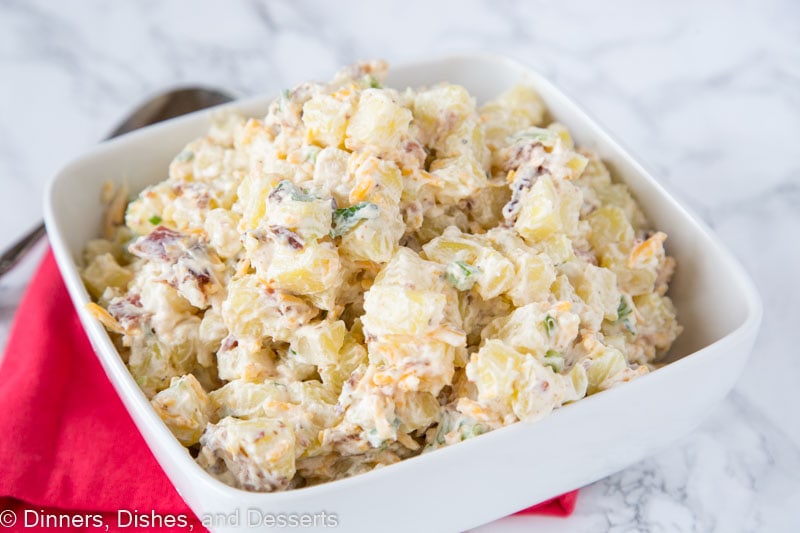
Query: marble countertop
x=705, y=93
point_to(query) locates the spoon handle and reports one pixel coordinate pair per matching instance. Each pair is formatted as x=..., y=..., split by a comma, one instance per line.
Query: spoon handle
x=17, y=251
x=160, y=108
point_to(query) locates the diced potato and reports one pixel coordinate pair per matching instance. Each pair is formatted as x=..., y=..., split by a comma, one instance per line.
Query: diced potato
x=633, y=280
x=524, y=102
x=518, y=108
x=468, y=139
x=602, y=367
x=244, y=399
x=252, y=131
x=252, y=310
x=206, y=157
x=534, y=329
x=374, y=240
x=392, y=309
x=351, y=355
x=595, y=175
x=97, y=247
x=311, y=269
x=312, y=410
x=325, y=118
x=102, y=272
x=244, y=359
x=376, y=181
x=495, y=370
x=290, y=369
x=610, y=230
x=580, y=382
x=378, y=124
x=212, y=328
x=316, y=400
x=153, y=364
x=318, y=343
x=563, y=290
x=563, y=135
x=184, y=408
x=657, y=325
x=310, y=219
x=540, y=391
x=330, y=174
x=146, y=212
x=533, y=276
x=618, y=195
x=575, y=165
x=598, y=288
x=639, y=265
x=253, y=192
x=439, y=110
x=161, y=300
x=496, y=274
x=453, y=245
x=539, y=216
x=259, y=452
x=460, y=176
x=517, y=386
x=221, y=228
x=416, y=410
x=570, y=200
x=412, y=363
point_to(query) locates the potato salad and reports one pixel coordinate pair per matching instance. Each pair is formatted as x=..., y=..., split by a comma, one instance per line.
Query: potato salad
x=369, y=273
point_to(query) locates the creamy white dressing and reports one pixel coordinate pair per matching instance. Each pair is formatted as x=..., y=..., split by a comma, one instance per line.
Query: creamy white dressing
x=363, y=275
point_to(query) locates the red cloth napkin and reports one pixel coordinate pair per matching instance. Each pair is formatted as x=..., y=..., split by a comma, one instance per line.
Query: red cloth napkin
x=68, y=445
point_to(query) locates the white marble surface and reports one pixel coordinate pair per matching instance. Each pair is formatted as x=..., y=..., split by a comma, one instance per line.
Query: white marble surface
x=706, y=93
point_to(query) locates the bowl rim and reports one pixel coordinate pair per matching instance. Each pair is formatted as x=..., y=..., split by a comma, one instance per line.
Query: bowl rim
x=137, y=404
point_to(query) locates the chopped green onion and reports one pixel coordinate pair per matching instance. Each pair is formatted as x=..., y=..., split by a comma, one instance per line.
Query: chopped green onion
x=554, y=360
x=155, y=220
x=287, y=188
x=461, y=275
x=312, y=152
x=541, y=135
x=623, y=310
x=185, y=156
x=623, y=315
x=468, y=431
x=373, y=439
x=284, y=96
x=550, y=325
x=346, y=218
x=373, y=82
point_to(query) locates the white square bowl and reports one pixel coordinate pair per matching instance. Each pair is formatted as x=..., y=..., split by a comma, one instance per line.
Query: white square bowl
x=503, y=471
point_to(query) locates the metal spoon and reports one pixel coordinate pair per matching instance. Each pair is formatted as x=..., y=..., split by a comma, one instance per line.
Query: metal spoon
x=161, y=107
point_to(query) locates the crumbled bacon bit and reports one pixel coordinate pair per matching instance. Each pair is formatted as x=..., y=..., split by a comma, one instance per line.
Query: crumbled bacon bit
x=229, y=343
x=127, y=311
x=287, y=236
x=523, y=181
x=160, y=244
x=202, y=278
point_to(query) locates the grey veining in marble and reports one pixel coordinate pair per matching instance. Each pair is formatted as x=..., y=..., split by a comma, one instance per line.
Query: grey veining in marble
x=706, y=93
